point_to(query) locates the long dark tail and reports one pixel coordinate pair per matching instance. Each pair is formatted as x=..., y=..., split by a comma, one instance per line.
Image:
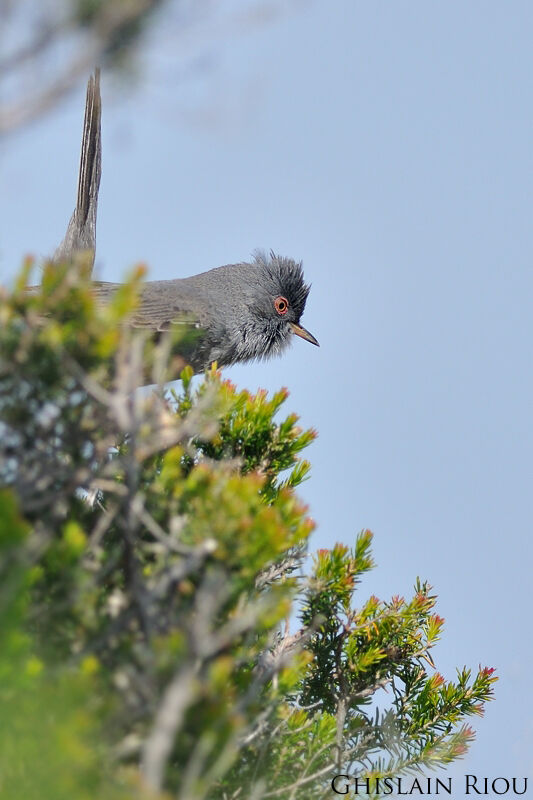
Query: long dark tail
x=81, y=231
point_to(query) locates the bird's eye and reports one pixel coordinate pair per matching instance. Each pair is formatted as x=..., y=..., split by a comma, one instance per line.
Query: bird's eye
x=281, y=304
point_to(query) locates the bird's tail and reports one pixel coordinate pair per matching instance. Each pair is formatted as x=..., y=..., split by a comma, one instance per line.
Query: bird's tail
x=81, y=231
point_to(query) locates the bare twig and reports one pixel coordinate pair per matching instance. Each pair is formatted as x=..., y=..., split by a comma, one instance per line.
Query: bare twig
x=111, y=18
x=177, y=697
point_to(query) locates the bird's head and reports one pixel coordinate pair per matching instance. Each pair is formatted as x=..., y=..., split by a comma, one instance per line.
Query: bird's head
x=273, y=296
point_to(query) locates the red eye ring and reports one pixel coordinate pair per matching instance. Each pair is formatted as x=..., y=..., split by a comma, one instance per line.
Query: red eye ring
x=281, y=304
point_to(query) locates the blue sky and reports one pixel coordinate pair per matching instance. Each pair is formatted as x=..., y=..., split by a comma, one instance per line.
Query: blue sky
x=388, y=145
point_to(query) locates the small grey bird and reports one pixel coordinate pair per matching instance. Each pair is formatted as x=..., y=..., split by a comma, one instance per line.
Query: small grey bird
x=243, y=311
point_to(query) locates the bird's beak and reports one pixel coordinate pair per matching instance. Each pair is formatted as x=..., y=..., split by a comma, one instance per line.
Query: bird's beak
x=299, y=330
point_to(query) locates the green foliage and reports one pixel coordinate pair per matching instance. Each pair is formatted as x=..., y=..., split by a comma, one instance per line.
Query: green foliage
x=151, y=546
x=51, y=719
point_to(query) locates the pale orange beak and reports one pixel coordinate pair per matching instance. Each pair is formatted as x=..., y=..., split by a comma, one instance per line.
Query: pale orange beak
x=299, y=330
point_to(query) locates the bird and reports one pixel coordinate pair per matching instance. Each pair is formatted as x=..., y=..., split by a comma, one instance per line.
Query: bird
x=242, y=312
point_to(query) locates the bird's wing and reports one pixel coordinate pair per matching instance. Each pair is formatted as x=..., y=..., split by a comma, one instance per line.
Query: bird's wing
x=161, y=308
x=81, y=231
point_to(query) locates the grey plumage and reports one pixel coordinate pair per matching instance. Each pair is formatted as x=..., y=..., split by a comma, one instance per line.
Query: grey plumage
x=234, y=306
x=243, y=311
x=81, y=231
